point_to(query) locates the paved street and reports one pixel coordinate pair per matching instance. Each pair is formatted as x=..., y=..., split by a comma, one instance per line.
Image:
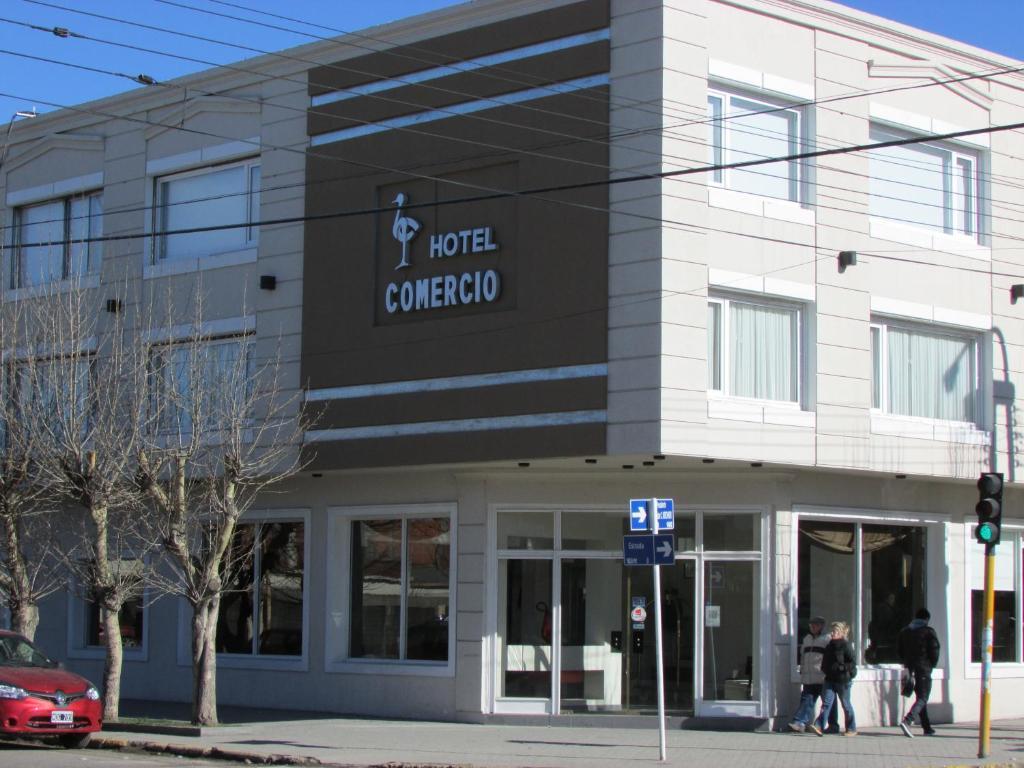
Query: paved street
x=351, y=741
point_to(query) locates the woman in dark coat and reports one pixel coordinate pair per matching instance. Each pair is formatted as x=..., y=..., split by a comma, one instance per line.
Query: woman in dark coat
x=840, y=667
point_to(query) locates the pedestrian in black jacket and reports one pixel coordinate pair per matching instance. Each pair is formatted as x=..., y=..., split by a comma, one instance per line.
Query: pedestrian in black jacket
x=840, y=667
x=919, y=652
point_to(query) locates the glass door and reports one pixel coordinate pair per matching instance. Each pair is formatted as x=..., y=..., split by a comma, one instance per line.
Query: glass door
x=731, y=623
x=525, y=621
x=676, y=615
x=591, y=648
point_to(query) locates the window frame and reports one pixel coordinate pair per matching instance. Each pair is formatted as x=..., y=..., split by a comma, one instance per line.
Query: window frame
x=935, y=594
x=249, y=233
x=724, y=301
x=337, y=648
x=93, y=251
x=247, y=346
x=879, y=329
x=974, y=213
x=78, y=623
x=257, y=572
x=260, y=661
x=721, y=144
x=1015, y=532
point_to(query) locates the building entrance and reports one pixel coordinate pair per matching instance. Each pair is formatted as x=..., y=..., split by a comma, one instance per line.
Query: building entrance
x=566, y=641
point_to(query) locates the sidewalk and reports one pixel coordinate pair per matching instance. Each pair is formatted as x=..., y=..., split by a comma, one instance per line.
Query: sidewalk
x=311, y=738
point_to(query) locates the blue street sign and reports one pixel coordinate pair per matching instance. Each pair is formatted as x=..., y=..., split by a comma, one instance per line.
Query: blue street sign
x=645, y=549
x=638, y=515
x=666, y=515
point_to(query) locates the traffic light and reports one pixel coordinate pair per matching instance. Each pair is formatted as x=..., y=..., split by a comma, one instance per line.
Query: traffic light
x=989, y=507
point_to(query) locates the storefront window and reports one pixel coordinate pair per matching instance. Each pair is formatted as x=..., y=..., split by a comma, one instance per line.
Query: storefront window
x=400, y=591
x=826, y=584
x=262, y=609
x=1004, y=619
x=526, y=530
x=892, y=580
x=593, y=531
x=893, y=586
x=732, y=533
x=131, y=619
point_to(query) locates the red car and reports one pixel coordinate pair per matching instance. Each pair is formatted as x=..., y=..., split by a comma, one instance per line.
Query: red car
x=38, y=698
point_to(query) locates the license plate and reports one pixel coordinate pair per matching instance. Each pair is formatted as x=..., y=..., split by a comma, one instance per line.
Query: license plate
x=62, y=717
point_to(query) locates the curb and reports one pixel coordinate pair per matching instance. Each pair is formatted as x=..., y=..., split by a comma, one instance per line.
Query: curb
x=255, y=758
x=209, y=753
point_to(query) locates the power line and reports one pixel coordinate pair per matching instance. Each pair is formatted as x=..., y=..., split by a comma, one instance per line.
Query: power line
x=636, y=132
x=556, y=188
x=490, y=146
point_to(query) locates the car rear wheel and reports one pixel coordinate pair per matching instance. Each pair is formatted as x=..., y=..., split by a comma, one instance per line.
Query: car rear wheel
x=77, y=741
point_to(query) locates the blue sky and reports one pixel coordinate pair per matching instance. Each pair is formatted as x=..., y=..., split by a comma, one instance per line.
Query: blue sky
x=26, y=82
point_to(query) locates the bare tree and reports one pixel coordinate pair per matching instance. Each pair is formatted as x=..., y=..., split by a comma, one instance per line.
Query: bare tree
x=29, y=567
x=222, y=430
x=90, y=381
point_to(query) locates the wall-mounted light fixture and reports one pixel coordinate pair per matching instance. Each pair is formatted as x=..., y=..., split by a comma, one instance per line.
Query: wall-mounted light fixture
x=1016, y=292
x=268, y=282
x=847, y=259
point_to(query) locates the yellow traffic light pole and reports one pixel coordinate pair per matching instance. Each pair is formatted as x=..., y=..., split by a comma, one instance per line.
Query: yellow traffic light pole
x=985, y=723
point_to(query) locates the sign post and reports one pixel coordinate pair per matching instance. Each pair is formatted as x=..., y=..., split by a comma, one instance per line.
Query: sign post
x=654, y=549
x=662, y=738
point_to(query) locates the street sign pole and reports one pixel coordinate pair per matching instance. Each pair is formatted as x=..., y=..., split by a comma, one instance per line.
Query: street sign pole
x=662, y=747
x=984, y=725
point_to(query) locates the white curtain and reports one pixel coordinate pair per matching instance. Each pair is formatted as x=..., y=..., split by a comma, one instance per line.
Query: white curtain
x=763, y=352
x=931, y=376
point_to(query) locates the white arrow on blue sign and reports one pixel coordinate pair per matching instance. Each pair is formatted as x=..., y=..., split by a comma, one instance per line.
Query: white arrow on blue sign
x=638, y=514
x=645, y=549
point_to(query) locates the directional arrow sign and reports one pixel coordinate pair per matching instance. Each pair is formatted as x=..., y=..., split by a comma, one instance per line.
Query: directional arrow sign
x=638, y=514
x=645, y=549
x=664, y=553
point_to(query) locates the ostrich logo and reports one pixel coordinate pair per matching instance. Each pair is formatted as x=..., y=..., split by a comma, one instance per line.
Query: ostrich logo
x=403, y=230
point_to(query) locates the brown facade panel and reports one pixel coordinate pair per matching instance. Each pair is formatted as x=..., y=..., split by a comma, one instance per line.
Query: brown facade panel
x=456, y=47
x=551, y=250
x=509, y=400
x=429, y=254
x=516, y=76
x=496, y=445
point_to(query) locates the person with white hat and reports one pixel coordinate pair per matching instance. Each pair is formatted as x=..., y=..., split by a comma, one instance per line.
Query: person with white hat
x=812, y=678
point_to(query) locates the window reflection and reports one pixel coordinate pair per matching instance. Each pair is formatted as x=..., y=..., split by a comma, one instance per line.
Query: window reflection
x=390, y=593
x=261, y=610
x=892, y=582
x=376, y=585
x=893, y=573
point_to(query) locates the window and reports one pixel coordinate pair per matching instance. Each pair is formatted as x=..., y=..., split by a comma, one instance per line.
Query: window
x=53, y=394
x=85, y=614
x=743, y=128
x=131, y=619
x=401, y=589
x=261, y=612
x=225, y=194
x=200, y=380
x=52, y=239
x=925, y=373
x=1005, y=640
x=754, y=349
x=879, y=597
x=931, y=186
